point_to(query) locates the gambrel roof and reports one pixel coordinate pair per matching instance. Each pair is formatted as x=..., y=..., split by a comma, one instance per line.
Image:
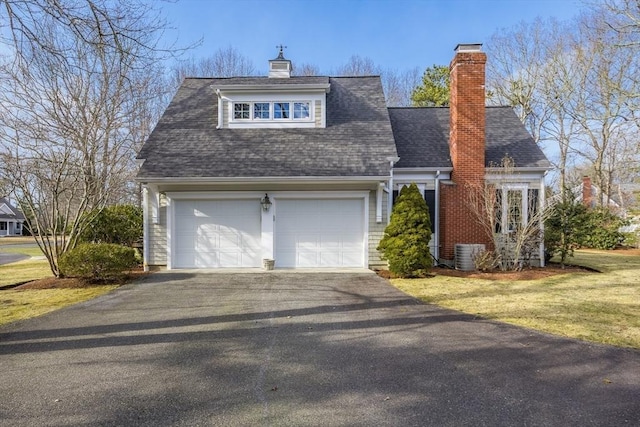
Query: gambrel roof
x=356, y=142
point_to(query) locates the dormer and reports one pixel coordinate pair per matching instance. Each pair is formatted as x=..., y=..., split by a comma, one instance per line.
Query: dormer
x=279, y=101
x=280, y=67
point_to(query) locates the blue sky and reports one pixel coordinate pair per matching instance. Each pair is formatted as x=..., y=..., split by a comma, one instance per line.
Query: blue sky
x=400, y=34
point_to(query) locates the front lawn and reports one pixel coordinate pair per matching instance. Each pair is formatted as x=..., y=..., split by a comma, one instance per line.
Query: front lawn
x=22, y=271
x=600, y=307
x=23, y=304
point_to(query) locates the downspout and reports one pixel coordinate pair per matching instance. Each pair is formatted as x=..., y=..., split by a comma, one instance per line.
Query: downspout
x=436, y=219
x=145, y=228
x=381, y=188
x=392, y=161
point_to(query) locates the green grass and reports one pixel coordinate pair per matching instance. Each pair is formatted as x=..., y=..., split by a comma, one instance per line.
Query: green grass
x=23, y=304
x=13, y=245
x=23, y=271
x=599, y=307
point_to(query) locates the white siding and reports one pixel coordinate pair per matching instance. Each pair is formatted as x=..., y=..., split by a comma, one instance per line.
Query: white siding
x=225, y=114
x=158, y=235
x=318, y=112
x=376, y=230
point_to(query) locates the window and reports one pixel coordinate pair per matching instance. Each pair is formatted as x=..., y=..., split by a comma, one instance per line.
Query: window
x=3, y=226
x=241, y=110
x=300, y=110
x=261, y=110
x=281, y=110
x=272, y=111
x=516, y=206
x=514, y=210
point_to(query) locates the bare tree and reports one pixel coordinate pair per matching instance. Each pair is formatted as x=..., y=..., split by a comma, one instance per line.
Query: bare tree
x=224, y=62
x=573, y=84
x=71, y=113
x=510, y=214
x=359, y=66
x=399, y=85
x=604, y=107
x=306, y=69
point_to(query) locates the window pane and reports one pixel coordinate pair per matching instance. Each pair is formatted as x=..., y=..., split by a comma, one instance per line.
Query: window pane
x=241, y=110
x=300, y=110
x=281, y=110
x=261, y=110
x=514, y=209
x=498, y=211
x=533, y=196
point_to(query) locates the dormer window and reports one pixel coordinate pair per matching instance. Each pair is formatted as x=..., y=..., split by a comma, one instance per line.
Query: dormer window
x=300, y=110
x=261, y=110
x=241, y=110
x=281, y=110
x=272, y=111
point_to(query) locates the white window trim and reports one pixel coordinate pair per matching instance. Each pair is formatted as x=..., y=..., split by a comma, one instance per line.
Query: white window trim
x=272, y=118
x=271, y=123
x=524, y=191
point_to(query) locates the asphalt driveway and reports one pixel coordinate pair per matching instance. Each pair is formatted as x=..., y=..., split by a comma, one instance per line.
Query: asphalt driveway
x=293, y=349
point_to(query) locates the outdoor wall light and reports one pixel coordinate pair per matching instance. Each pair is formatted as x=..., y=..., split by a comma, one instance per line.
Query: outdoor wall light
x=265, y=202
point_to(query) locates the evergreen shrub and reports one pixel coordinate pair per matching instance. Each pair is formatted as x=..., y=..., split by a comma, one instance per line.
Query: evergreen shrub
x=405, y=244
x=98, y=261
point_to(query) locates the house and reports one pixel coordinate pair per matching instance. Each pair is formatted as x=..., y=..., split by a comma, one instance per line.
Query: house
x=591, y=196
x=302, y=170
x=11, y=219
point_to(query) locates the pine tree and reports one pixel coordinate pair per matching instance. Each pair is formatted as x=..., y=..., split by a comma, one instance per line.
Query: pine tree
x=405, y=244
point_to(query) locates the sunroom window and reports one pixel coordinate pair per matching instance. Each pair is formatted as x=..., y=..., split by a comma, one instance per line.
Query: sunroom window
x=516, y=206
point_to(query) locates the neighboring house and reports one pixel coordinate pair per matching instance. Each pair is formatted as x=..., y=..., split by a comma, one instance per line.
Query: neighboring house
x=11, y=219
x=590, y=195
x=303, y=170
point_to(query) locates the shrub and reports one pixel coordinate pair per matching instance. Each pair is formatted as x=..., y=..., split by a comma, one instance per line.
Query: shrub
x=600, y=229
x=405, y=244
x=563, y=228
x=119, y=224
x=484, y=260
x=98, y=262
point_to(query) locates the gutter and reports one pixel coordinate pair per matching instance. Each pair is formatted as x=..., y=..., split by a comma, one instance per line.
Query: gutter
x=260, y=180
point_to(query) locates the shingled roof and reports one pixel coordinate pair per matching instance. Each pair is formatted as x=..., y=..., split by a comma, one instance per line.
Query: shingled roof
x=357, y=140
x=14, y=213
x=422, y=138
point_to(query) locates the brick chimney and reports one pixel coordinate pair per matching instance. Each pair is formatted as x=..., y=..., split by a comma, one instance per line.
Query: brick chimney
x=587, y=195
x=466, y=147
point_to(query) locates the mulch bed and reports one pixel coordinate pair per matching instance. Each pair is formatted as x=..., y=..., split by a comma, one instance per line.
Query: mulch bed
x=74, y=282
x=530, y=273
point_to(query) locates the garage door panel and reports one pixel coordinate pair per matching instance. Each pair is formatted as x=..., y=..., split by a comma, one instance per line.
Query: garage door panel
x=320, y=233
x=351, y=257
x=217, y=233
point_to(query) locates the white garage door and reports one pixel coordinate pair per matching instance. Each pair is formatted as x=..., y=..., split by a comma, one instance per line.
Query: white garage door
x=217, y=233
x=319, y=233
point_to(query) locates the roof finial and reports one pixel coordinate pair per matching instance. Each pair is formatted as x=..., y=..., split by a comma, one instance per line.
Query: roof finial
x=281, y=53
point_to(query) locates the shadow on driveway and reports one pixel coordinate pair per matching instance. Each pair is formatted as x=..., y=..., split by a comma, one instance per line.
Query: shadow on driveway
x=300, y=349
